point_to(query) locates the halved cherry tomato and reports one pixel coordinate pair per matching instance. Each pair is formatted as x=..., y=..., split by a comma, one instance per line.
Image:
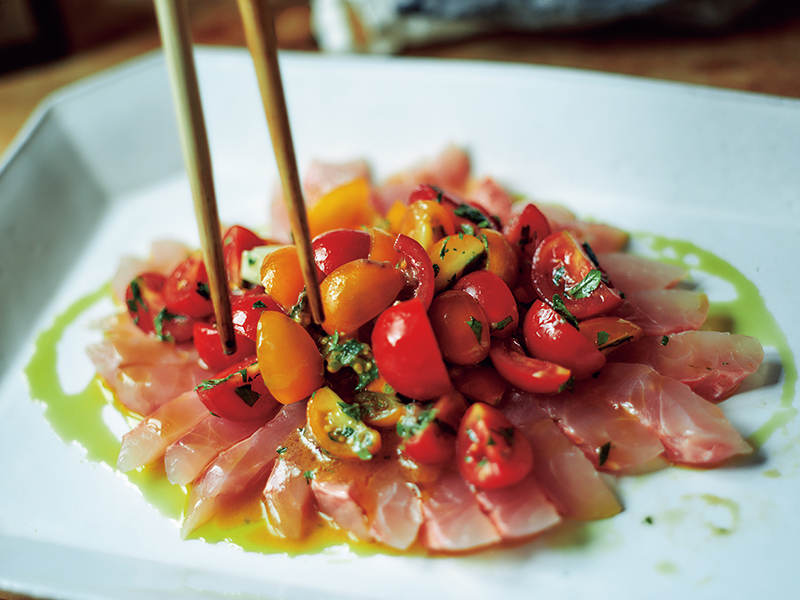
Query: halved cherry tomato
x=491, y=453
x=496, y=300
x=238, y=393
x=186, y=290
x=426, y=221
x=338, y=427
x=454, y=255
x=479, y=383
x=208, y=342
x=565, y=277
x=290, y=362
x=404, y=344
x=429, y=431
x=282, y=276
x=529, y=374
x=527, y=229
x=247, y=309
x=381, y=246
x=460, y=326
x=416, y=265
x=235, y=241
x=345, y=207
x=144, y=299
x=336, y=247
x=502, y=258
x=464, y=213
x=606, y=333
x=356, y=293
x=549, y=337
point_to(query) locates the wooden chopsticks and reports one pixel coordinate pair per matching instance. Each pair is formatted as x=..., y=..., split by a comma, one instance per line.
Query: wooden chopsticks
x=260, y=33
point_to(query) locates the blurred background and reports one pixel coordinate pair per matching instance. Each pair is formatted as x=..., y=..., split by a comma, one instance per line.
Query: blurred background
x=751, y=45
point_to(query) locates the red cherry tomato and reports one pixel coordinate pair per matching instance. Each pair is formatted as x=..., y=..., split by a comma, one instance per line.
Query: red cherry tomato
x=238, y=393
x=495, y=298
x=491, y=453
x=460, y=327
x=479, y=383
x=406, y=352
x=208, y=342
x=336, y=247
x=429, y=431
x=246, y=311
x=464, y=212
x=606, y=333
x=527, y=229
x=144, y=299
x=549, y=337
x=186, y=290
x=235, y=241
x=416, y=265
x=524, y=372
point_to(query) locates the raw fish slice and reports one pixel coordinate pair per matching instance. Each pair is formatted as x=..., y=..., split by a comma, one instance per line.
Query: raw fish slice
x=693, y=430
x=288, y=500
x=601, y=237
x=603, y=430
x=242, y=467
x=492, y=198
x=519, y=510
x=664, y=312
x=567, y=477
x=337, y=501
x=629, y=273
x=711, y=363
x=188, y=457
x=394, y=508
x=149, y=439
x=453, y=519
x=142, y=371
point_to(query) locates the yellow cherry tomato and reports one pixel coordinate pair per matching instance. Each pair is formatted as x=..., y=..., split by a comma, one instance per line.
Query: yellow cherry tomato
x=338, y=428
x=452, y=256
x=282, y=276
x=427, y=221
x=346, y=207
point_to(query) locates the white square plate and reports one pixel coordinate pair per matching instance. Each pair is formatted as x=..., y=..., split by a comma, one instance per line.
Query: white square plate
x=97, y=174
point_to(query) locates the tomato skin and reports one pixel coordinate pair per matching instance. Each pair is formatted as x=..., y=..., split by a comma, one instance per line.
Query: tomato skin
x=524, y=372
x=527, y=229
x=186, y=290
x=560, y=264
x=336, y=247
x=336, y=431
x=549, y=337
x=282, y=276
x=230, y=393
x=144, y=299
x=616, y=329
x=416, y=264
x=491, y=453
x=403, y=342
x=460, y=327
x=236, y=240
x=430, y=432
x=495, y=298
x=247, y=309
x=208, y=342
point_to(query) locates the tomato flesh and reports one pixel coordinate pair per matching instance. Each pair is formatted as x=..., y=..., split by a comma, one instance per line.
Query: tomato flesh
x=238, y=393
x=416, y=265
x=527, y=230
x=144, y=299
x=208, y=342
x=235, y=241
x=186, y=290
x=527, y=373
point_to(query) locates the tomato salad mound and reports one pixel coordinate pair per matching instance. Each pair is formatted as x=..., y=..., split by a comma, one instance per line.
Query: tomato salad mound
x=481, y=363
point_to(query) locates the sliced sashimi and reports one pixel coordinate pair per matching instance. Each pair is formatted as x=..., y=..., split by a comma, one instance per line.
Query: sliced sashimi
x=243, y=467
x=629, y=273
x=664, y=312
x=568, y=478
x=453, y=519
x=599, y=236
x=711, y=363
x=610, y=437
x=337, y=500
x=150, y=438
x=288, y=500
x=693, y=430
x=394, y=508
x=188, y=457
x=519, y=510
x=142, y=371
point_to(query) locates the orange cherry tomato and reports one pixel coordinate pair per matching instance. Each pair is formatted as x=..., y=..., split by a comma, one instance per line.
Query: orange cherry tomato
x=501, y=257
x=290, y=362
x=346, y=207
x=606, y=333
x=282, y=276
x=427, y=222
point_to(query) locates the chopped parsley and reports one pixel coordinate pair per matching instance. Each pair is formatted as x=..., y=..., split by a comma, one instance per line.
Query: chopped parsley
x=502, y=324
x=476, y=326
x=664, y=340
x=467, y=228
x=414, y=420
x=309, y=475
x=203, y=290
x=281, y=450
x=350, y=353
x=260, y=304
x=586, y=286
x=602, y=453
x=207, y=384
x=558, y=274
x=561, y=308
x=136, y=292
x=648, y=520
x=602, y=338
x=246, y=393
x=568, y=385
x=472, y=214
x=163, y=316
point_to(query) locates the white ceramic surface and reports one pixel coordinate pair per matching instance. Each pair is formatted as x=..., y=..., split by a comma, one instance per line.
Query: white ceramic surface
x=97, y=174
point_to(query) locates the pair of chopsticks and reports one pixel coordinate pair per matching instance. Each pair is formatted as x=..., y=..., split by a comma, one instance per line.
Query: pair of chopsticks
x=259, y=30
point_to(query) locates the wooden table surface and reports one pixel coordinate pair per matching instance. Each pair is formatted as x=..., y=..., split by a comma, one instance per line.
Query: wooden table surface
x=762, y=54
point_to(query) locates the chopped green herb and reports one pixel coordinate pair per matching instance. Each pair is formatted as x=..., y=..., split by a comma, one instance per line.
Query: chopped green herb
x=568, y=385
x=163, y=316
x=204, y=290
x=309, y=475
x=351, y=353
x=246, y=393
x=648, y=520
x=281, y=450
x=472, y=214
x=136, y=291
x=351, y=410
x=259, y=304
x=561, y=308
x=207, y=384
x=491, y=442
x=664, y=340
x=508, y=435
x=602, y=453
x=483, y=462
x=524, y=236
x=414, y=420
x=435, y=269
x=590, y=253
x=602, y=338
x=586, y=286
x=558, y=274
x=467, y=228
x=443, y=251
x=502, y=324
x=476, y=326
x=213, y=414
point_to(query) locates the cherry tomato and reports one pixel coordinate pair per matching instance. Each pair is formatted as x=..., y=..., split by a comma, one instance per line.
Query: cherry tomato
x=460, y=327
x=282, y=276
x=235, y=241
x=454, y=255
x=464, y=213
x=238, y=393
x=381, y=246
x=496, y=300
x=527, y=229
x=186, y=290
x=606, y=333
x=404, y=344
x=290, y=362
x=502, y=258
x=416, y=265
x=336, y=247
x=208, y=343
x=524, y=372
x=356, y=293
x=429, y=431
x=338, y=427
x=491, y=453
x=479, y=383
x=247, y=309
x=144, y=299
x=565, y=277
x=426, y=221
x=549, y=337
